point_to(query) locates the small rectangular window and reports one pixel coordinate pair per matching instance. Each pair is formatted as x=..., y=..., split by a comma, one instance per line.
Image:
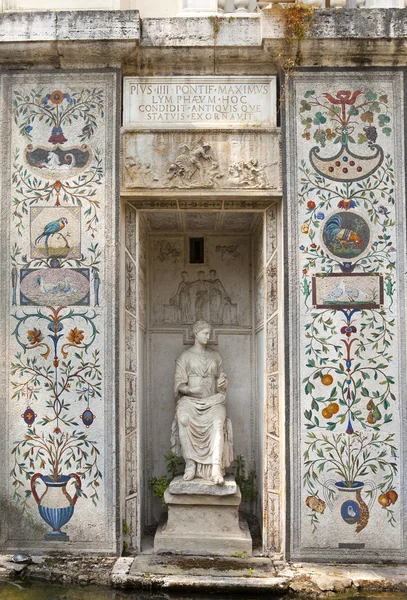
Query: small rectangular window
x=196, y=250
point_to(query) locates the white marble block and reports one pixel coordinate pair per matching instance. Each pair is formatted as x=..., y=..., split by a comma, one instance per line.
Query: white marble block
x=203, y=524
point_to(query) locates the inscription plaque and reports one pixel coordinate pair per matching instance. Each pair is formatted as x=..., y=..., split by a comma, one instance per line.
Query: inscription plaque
x=199, y=102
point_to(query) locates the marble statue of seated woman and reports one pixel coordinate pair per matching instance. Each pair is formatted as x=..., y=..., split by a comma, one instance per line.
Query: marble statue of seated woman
x=201, y=432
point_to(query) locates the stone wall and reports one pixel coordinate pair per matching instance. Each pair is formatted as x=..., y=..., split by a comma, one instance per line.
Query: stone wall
x=59, y=314
x=345, y=218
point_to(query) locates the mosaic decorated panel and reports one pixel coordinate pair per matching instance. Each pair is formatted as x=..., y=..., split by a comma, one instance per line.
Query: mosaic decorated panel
x=346, y=210
x=61, y=307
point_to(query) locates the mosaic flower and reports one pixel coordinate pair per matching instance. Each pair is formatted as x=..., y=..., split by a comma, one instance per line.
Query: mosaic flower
x=320, y=216
x=56, y=97
x=311, y=204
x=347, y=204
x=348, y=330
x=343, y=97
x=57, y=136
x=34, y=336
x=75, y=336
x=305, y=228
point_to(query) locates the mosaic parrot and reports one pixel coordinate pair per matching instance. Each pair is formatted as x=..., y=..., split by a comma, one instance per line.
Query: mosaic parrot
x=51, y=229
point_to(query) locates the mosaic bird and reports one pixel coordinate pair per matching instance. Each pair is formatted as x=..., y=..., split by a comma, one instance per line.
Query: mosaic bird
x=336, y=233
x=51, y=229
x=337, y=292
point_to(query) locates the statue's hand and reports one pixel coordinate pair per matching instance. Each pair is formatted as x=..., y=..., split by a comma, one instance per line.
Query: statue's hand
x=222, y=383
x=195, y=392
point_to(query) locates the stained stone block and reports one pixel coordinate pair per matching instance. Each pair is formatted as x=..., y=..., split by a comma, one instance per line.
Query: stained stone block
x=203, y=487
x=203, y=523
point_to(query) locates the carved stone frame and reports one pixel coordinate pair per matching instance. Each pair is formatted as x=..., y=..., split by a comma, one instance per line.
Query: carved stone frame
x=270, y=443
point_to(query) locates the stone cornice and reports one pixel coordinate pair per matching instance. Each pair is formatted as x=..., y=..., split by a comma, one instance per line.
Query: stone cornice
x=253, y=43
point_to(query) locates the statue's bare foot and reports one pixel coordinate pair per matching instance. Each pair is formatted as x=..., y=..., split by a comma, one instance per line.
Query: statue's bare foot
x=217, y=476
x=190, y=469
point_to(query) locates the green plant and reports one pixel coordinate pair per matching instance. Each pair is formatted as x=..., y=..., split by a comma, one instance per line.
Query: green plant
x=297, y=21
x=173, y=463
x=215, y=21
x=160, y=484
x=125, y=527
x=247, y=484
x=240, y=554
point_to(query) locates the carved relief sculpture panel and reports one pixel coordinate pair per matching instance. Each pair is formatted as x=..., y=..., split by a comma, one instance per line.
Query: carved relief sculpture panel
x=187, y=161
x=183, y=293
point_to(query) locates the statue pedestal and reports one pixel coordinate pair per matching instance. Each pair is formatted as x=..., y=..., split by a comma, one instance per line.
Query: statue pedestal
x=203, y=519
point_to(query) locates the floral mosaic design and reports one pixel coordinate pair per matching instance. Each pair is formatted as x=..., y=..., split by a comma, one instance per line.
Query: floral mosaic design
x=349, y=311
x=57, y=259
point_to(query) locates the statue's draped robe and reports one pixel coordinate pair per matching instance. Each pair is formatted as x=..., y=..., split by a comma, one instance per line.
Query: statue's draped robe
x=201, y=431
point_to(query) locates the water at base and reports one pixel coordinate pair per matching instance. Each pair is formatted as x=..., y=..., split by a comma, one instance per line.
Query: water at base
x=41, y=591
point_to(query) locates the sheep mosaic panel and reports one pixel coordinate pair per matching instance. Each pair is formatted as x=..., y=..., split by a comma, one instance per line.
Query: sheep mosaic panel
x=62, y=332
x=346, y=210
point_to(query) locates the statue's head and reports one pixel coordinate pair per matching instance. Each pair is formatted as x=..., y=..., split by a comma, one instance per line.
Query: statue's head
x=200, y=326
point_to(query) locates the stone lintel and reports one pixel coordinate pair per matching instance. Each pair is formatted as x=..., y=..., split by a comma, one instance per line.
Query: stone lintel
x=202, y=487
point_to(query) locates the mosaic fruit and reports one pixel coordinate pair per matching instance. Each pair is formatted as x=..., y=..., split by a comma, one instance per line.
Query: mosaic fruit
x=370, y=405
x=334, y=407
x=326, y=413
x=377, y=415
x=316, y=504
x=370, y=419
x=327, y=379
x=392, y=496
x=384, y=500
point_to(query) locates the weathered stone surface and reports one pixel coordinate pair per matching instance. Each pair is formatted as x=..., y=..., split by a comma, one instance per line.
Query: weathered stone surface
x=69, y=25
x=200, y=524
x=331, y=583
x=198, y=566
x=201, y=32
x=218, y=162
x=199, y=530
x=190, y=45
x=203, y=487
x=203, y=499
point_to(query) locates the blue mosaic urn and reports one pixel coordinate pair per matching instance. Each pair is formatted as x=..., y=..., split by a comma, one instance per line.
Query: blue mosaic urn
x=55, y=506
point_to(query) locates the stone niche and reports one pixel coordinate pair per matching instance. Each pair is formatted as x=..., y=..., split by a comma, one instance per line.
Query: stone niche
x=240, y=253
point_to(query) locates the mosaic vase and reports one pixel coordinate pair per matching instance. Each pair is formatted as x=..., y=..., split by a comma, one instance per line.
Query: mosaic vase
x=351, y=504
x=55, y=506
